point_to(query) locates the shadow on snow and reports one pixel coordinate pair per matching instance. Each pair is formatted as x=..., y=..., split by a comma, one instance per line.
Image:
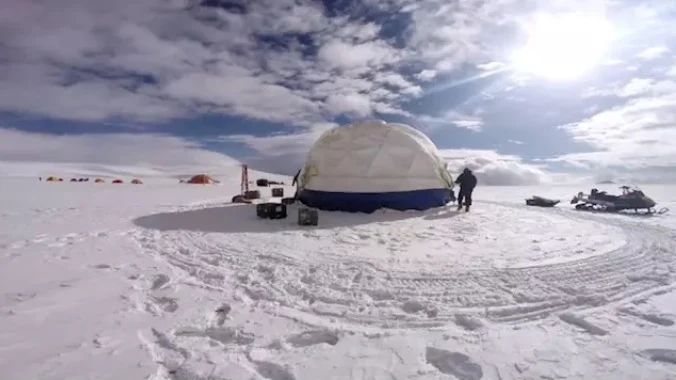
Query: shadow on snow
x=241, y=218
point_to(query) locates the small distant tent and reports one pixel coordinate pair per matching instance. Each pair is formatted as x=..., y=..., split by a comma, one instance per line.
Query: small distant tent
x=136, y=181
x=73, y=180
x=201, y=179
x=52, y=179
x=99, y=180
x=117, y=181
x=365, y=166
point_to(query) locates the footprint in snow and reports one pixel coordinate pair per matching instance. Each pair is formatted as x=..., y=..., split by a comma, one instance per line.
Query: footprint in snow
x=164, y=303
x=20, y=297
x=222, y=313
x=19, y=244
x=663, y=355
x=652, y=318
x=412, y=306
x=224, y=335
x=582, y=323
x=100, y=341
x=656, y=319
x=314, y=337
x=163, y=341
x=468, y=322
x=273, y=371
x=453, y=363
x=187, y=374
x=159, y=281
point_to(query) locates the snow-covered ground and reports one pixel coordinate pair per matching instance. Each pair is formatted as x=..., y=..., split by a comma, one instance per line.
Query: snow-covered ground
x=170, y=281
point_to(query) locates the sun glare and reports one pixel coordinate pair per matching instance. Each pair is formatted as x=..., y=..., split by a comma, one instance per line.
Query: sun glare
x=563, y=47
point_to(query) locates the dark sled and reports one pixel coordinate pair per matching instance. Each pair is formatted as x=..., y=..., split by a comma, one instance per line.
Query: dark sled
x=541, y=202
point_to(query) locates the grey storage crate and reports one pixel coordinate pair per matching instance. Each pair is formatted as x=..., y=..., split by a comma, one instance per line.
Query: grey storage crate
x=308, y=217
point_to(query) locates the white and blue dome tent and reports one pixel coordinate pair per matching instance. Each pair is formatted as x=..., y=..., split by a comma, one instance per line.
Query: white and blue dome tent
x=368, y=165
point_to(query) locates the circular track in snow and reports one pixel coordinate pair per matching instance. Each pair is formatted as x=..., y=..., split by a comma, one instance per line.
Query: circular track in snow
x=415, y=269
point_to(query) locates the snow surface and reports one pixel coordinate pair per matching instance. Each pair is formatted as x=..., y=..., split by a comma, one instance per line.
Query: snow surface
x=170, y=281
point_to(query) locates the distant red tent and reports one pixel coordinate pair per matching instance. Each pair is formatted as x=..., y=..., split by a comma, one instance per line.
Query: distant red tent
x=117, y=181
x=202, y=179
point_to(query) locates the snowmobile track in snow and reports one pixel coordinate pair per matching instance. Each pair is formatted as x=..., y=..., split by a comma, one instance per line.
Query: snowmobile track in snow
x=364, y=291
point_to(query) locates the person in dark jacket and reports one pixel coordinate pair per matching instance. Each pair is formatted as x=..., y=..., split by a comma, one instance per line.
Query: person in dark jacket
x=295, y=178
x=467, y=181
x=295, y=182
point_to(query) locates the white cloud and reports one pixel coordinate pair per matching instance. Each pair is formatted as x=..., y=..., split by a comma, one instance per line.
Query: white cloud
x=652, y=53
x=281, y=144
x=636, y=136
x=492, y=66
x=426, y=75
x=337, y=54
x=495, y=169
x=401, y=84
x=287, y=61
x=282, y=153
x=672, y=71
x=124, y=149
x=254, y=97
x=356, y=104
x=358, y=32
x=455, y=118
x=635, y=87
x=285, y=153
x=156, y=59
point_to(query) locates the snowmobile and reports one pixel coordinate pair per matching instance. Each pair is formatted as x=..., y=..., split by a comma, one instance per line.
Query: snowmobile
x=631, y=199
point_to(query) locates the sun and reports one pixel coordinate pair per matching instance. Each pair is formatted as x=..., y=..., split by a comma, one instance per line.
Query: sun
x=563, y=47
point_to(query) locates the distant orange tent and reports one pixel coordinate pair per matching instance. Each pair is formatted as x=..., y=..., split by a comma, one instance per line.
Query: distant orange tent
x=202, y=179
x=136, y=181
x=117, y=181
x=99, y=180
x=52, y=179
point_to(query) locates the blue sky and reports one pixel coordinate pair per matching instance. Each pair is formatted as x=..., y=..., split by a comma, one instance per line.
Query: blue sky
x=162, y=82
